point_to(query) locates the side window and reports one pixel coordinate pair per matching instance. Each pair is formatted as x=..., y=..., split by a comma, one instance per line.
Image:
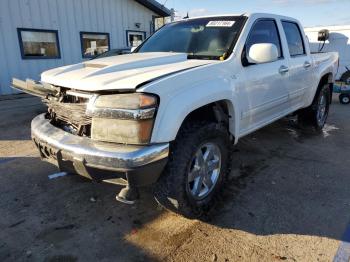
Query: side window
x=294, y=38
x=265, y=31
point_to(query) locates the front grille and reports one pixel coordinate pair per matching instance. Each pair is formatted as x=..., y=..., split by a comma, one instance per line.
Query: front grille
x=70, y=113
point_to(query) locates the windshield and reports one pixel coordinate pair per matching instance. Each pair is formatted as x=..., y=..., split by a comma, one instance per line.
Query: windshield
x=206, y=38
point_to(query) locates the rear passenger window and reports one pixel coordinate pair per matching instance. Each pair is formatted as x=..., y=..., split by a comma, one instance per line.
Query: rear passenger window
x=294, y=38
x=265, y=32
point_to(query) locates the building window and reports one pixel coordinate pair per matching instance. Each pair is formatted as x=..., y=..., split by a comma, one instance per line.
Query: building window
x=159, y=22
x=135, y=38
x=38, y=43
x=94, y=44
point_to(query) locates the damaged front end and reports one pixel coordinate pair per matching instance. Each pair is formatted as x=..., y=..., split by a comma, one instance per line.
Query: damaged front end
x=66, y=108
x=125, y=118
x=105, y=137
x=34, y=88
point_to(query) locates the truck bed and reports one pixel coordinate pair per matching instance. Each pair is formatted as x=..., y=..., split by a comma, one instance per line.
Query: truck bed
x=323, y=57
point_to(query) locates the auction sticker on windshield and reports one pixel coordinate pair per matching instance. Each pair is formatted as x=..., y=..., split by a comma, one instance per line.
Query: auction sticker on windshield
x=220, y=23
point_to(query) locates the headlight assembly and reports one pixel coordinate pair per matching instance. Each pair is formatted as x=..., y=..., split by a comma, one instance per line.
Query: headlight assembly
x=123, y=118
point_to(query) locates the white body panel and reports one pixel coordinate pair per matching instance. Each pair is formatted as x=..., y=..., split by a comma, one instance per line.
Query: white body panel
x=256, y=95
x=123, y=72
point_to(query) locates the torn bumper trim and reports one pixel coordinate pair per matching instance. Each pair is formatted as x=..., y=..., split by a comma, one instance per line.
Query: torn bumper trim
x=84, y=152
x=34, y=87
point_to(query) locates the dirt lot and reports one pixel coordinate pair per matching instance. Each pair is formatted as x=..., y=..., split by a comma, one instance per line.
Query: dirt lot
x=288, y=199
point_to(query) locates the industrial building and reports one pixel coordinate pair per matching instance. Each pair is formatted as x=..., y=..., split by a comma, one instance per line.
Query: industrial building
x=43, y=34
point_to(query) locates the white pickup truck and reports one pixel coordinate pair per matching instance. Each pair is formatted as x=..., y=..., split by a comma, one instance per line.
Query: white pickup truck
x=170, y=112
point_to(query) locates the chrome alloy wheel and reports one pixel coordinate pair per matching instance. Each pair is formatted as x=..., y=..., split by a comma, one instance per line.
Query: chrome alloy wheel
x=322, y=109
x=204, y=171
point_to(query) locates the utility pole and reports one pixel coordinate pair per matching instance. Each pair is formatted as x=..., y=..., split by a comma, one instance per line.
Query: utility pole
x=172, y=19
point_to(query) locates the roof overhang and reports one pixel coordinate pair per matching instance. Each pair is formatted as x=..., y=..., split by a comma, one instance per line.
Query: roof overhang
x=155, y=7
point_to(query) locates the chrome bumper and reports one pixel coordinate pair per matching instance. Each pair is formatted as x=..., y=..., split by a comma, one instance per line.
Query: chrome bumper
x=59, y=146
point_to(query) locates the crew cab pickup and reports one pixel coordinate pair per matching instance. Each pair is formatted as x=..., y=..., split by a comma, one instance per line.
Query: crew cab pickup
x=170, y=112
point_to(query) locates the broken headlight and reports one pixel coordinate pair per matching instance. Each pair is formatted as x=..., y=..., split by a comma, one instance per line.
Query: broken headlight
x=123, y=118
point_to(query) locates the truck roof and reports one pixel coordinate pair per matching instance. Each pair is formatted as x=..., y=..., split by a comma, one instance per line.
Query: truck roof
x=252, y=15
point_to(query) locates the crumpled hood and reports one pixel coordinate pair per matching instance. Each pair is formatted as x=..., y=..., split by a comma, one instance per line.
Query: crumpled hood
x=125, y=72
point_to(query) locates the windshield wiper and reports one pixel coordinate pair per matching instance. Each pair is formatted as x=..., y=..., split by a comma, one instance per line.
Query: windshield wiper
x=203, y=57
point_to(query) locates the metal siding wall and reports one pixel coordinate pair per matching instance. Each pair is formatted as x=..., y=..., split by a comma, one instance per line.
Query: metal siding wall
x=69, y=17
x=4, y=64
x=8, y=44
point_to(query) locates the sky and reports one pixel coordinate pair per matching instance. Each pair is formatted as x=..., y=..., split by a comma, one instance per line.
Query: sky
x=309, y=12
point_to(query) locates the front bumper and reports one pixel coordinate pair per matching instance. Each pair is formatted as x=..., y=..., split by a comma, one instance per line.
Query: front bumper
x=139, y=165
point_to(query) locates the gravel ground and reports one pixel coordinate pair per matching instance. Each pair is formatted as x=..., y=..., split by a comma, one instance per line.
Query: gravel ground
x=287, y=199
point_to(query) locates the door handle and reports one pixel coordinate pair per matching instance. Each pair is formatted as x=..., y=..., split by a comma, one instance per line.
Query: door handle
x=283, y=70
x=307, y=64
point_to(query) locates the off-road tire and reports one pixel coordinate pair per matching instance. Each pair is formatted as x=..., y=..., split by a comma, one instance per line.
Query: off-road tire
x=307, y=117
x=344, y=99
x=171, y=190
